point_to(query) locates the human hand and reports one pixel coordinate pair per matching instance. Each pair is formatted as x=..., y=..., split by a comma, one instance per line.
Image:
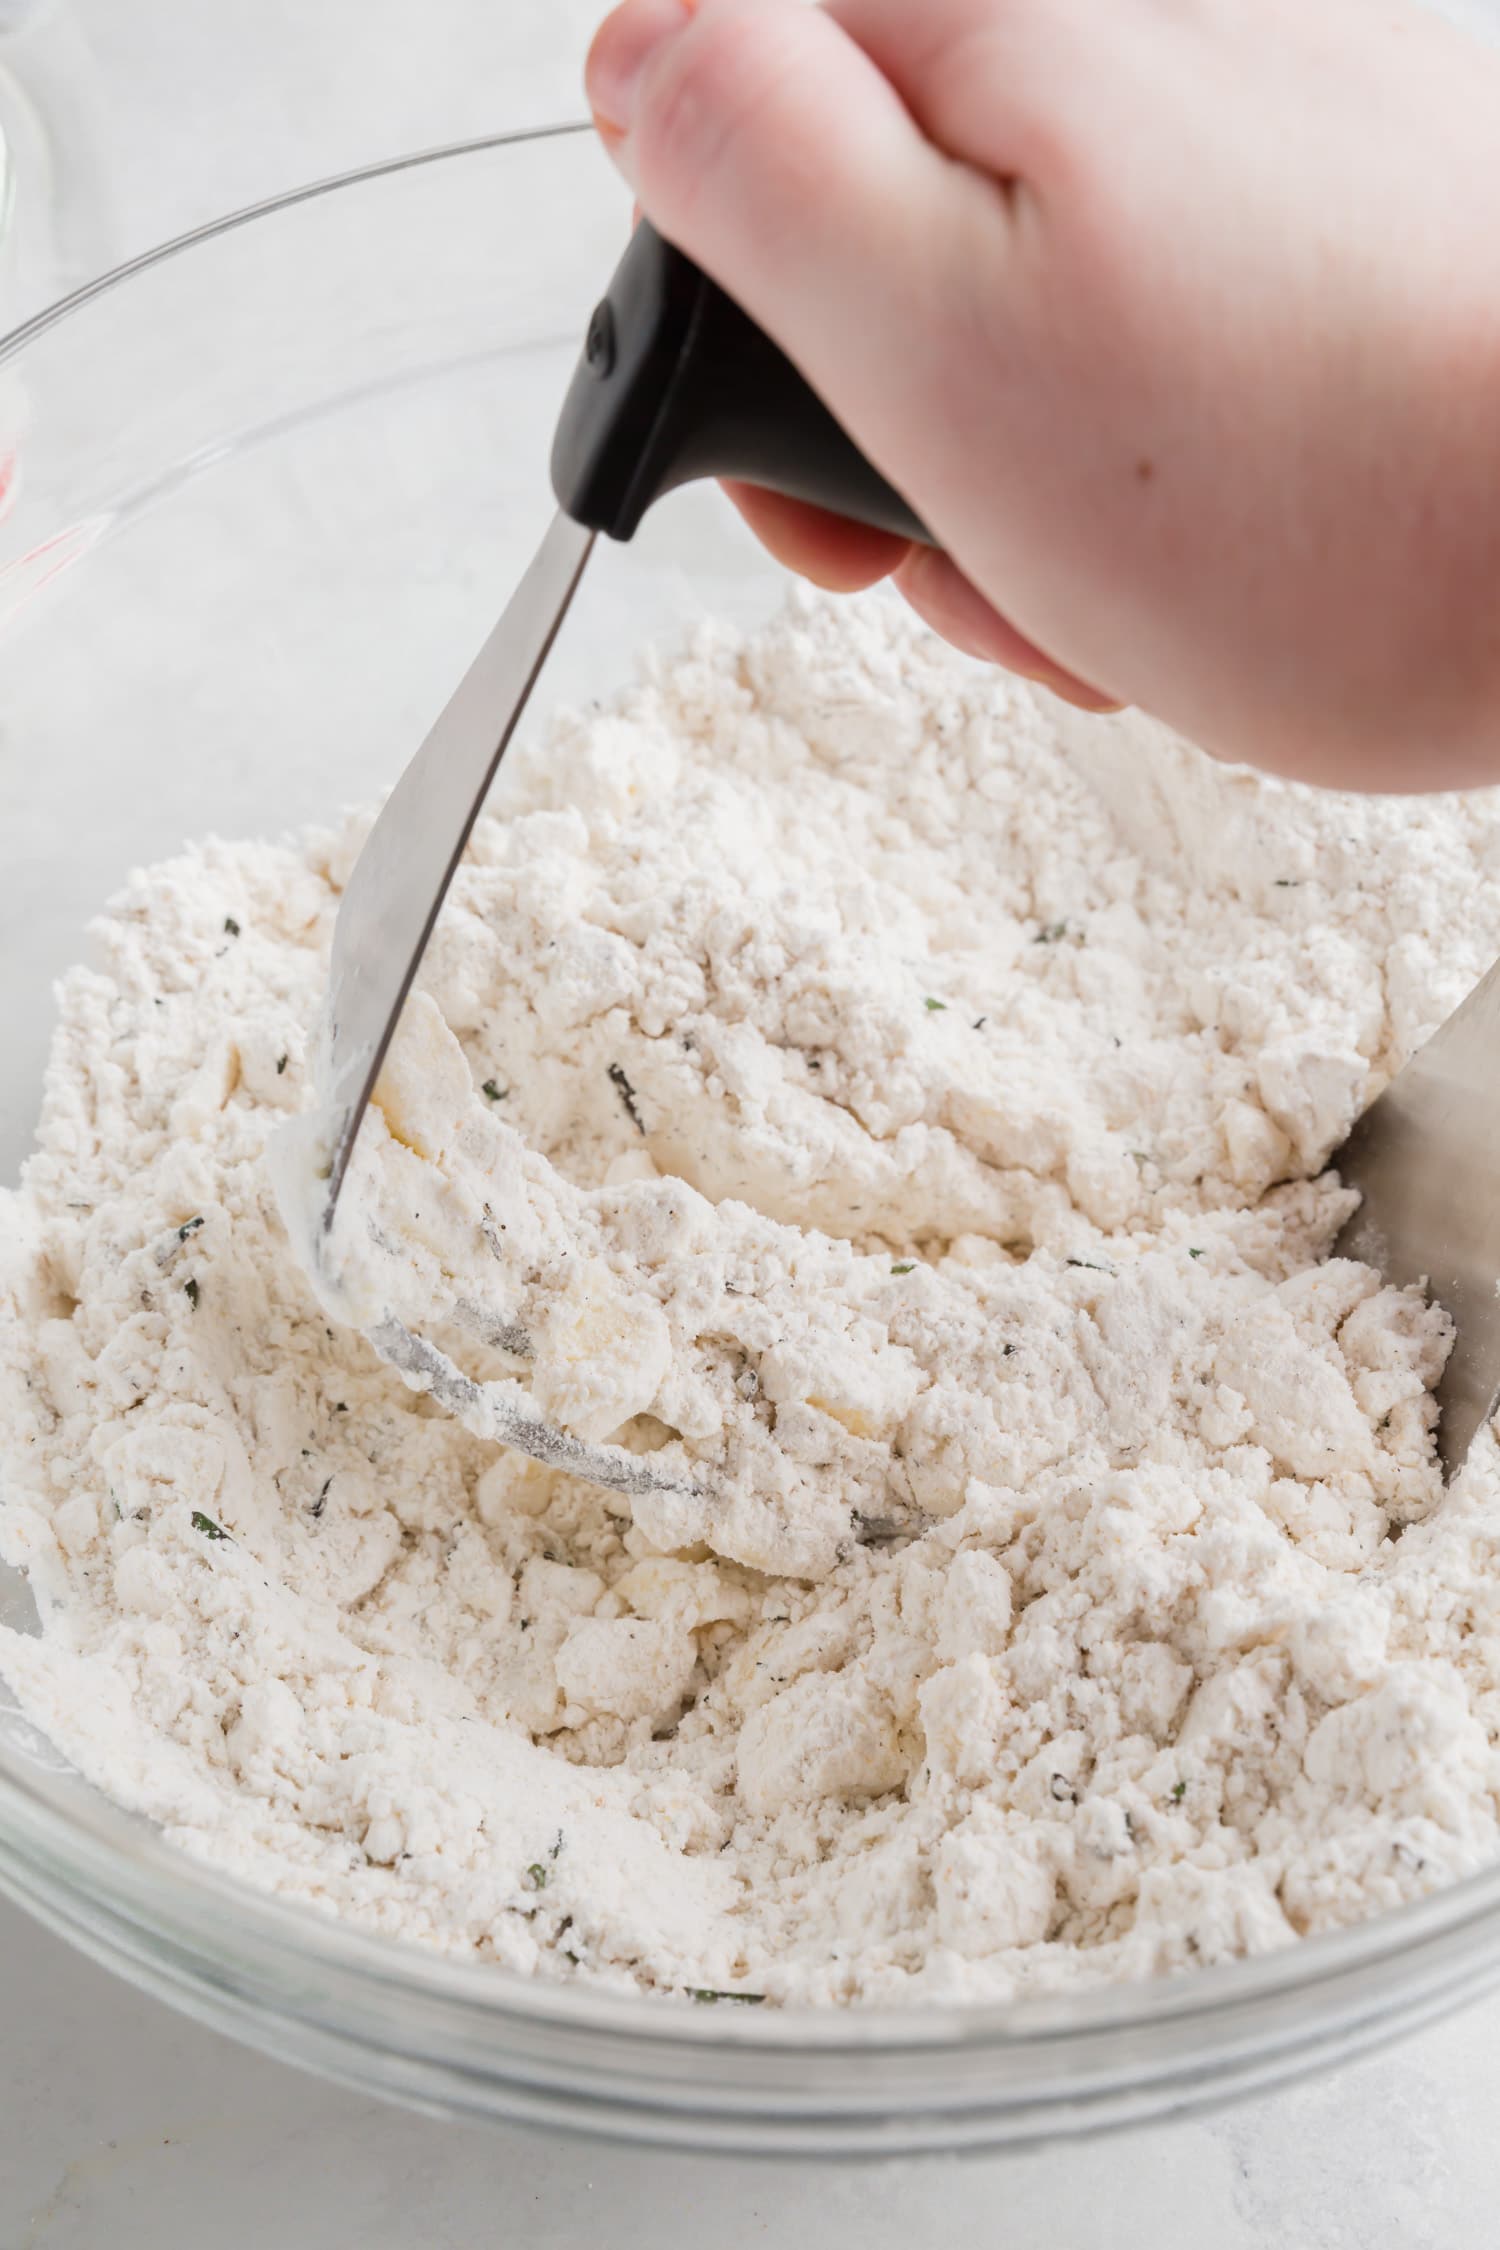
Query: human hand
x=1178, y=323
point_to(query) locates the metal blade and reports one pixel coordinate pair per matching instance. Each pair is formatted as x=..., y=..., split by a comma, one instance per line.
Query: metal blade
x=402, y=874
x=1423, y=1157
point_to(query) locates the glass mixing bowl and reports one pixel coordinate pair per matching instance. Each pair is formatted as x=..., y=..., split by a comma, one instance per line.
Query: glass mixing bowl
x=272, y=485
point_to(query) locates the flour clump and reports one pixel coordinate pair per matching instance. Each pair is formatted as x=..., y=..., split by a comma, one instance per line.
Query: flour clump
x=887, y=1112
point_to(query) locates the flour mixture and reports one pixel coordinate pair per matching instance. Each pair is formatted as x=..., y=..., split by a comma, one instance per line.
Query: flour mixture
x=890, y=1111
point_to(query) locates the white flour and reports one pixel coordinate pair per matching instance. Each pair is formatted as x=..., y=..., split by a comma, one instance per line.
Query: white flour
x=885, y=1108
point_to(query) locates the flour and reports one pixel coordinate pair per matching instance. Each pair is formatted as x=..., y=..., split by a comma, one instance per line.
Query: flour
x=885, y=1113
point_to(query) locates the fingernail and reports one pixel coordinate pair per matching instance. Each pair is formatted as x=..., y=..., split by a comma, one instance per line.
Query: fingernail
x=623, y=45
x=1082, y=698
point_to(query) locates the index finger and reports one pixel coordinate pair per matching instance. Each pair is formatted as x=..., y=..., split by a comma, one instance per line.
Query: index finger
x=834, y=553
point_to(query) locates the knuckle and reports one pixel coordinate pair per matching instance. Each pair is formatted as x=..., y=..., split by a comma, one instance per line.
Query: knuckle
x=707, y=97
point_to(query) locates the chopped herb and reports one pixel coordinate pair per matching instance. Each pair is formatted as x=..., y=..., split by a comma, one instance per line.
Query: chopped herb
x=706, y=1996
x=1289, y=882
x=1062, y=1790
x=536, y=1876
x=980, y=1022
x=1050, y=932
x=341, y=1408
x=492, y=1092
x=556, y=1845
x=1092, y=1265
x=1179, y=1791
x=904, y=1269
x=207, y=1526
x=935, y=1007
x=231, y=926
x=626, y=1092
x=322, y=1500
x=281, y=1063
x=191, y=1292
x=1195, y=1253
x=190, y=1226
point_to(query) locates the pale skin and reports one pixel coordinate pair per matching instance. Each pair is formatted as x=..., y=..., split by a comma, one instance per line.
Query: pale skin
x=1178, y=322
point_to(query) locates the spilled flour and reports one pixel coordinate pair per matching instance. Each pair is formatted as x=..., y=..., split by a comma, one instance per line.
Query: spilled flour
x=886, y=1112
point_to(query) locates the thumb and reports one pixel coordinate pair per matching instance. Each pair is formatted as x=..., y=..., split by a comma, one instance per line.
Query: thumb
x=765, y=143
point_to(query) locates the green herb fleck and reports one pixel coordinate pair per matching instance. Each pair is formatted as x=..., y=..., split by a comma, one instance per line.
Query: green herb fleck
x=626, y=1092
x=341, y=1408
x=231, y=926
x=207, y=1526
x=191, y=1292
x=190, y=1226
x=281, y=1063
x=1050, y=933
x=1195, y=1253
x=706, y=1996
x=935, y=1007
x=1288, y=882
x=536, y=1876
x=904, y=1269
x=1179, y=1791
x=492, y=1092
x=1092, y=1265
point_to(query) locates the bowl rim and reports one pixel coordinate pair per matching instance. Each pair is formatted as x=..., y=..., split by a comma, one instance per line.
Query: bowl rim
x=165, y=1888
x=158, y=1889
x=36, y=324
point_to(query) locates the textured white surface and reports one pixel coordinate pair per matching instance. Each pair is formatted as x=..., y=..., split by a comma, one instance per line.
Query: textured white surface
x=1231, y=1707
x=123, y=2124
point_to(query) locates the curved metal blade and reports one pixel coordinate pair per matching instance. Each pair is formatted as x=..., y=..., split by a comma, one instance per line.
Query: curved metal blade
x=1426, y=1159
x=402, y=874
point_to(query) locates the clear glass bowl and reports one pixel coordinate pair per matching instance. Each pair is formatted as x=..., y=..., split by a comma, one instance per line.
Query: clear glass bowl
x=274, y=483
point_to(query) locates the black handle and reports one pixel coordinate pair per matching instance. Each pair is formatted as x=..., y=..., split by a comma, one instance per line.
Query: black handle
x=676, y=383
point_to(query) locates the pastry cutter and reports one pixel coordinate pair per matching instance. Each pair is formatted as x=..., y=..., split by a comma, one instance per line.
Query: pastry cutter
x=674, y=383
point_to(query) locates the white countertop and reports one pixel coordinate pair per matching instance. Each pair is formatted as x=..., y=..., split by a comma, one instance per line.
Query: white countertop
x=121, y=2123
